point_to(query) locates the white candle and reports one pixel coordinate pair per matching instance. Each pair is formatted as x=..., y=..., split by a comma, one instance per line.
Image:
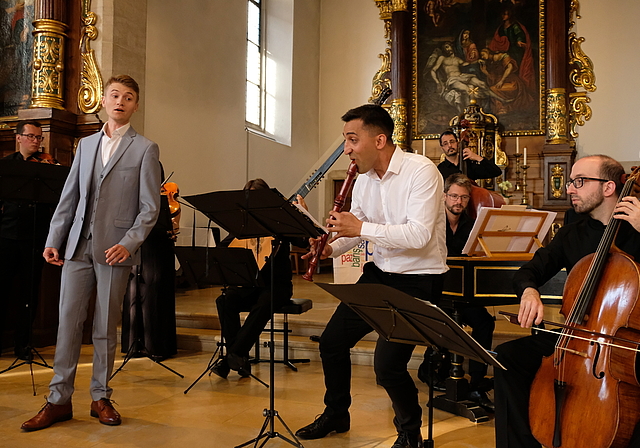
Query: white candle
x=423, y=147
x=517, y=145
x=525, y=156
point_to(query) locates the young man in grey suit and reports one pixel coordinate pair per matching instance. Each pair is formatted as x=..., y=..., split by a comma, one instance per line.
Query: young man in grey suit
x=108, y=206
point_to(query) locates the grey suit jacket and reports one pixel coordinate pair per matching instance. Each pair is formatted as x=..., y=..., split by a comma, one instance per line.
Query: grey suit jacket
x=128, y=198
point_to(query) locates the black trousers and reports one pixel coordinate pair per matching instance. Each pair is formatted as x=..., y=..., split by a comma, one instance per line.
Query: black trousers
x=20, y=271
x=346, y=328
x=522, y=359
x=257, y=300
x=482, y=325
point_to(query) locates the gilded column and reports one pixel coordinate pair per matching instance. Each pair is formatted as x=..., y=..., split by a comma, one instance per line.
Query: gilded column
x=49, y=38
x=401, y=62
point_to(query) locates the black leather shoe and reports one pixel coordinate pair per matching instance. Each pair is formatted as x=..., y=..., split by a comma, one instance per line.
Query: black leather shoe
x=221, y=368
x=482, y=399
x=406, y=440
x=240, y=364
x=324, y=425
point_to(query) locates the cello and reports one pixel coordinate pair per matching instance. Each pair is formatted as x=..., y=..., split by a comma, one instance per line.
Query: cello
x=587, y=392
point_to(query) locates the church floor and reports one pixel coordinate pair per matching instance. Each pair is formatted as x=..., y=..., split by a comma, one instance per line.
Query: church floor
x=214, y=413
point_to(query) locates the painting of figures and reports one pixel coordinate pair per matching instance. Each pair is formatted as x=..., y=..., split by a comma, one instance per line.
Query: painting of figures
x=16, y=41
x=487, y=50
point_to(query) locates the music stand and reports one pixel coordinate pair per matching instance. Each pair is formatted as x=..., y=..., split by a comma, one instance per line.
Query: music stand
x=256, y=214
x=226, y=266
x=36, y=183
x=398, y=317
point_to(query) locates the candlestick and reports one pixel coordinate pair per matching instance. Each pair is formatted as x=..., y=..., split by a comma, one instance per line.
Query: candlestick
x=525, y=167
x=517, y=156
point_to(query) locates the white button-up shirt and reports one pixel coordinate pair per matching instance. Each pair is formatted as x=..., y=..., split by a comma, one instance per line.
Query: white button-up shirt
x=109, y=145
x=403, y=215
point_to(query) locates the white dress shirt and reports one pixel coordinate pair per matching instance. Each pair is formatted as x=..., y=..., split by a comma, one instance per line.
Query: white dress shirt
x=109, y=145
x=403, y=216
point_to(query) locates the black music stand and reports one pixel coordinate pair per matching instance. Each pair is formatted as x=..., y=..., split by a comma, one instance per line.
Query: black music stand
x=36, y=183
x=226, y=266
x=256, y=214
x=398, y=317
x=138, y=347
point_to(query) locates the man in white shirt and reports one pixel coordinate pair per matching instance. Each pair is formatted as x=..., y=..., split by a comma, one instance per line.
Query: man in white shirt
x=397, y=205
x=109, y=204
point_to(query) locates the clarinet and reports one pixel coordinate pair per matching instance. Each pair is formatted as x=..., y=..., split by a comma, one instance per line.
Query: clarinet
x=338, y=203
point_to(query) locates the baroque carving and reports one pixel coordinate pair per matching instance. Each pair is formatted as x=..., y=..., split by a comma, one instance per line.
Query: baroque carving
x=381, y=80
x=90, y=90
x=580, y=112
x=582, y=75
x=47, y=87
x=400, y=5
x=557, y=181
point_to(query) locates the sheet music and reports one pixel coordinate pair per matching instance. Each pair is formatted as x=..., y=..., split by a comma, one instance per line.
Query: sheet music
x=310, y=216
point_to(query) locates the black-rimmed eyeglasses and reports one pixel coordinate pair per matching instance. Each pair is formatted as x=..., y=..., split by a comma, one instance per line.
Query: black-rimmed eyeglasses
x=578, y=182
x=33, y=137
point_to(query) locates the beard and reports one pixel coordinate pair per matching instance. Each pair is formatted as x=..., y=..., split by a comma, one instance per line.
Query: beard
x=455, y=209
x=589, y=203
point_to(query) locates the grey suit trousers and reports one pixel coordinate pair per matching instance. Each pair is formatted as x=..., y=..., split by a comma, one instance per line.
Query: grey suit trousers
x=81, y=275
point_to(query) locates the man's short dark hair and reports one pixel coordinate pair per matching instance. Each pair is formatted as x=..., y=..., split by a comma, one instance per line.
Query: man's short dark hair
x=611, y=169
x=374, y=118
x=125, y=80
x=448, y=132
x=458, y=179
x=21, y=124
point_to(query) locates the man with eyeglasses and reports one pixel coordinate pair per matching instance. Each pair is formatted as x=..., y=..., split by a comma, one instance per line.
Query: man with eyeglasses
x=594, y=187
x=23, y=229
x=457, y=192
x=477, y=166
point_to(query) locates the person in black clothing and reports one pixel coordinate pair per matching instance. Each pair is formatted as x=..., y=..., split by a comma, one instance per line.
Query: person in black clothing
x=457, y=189
x=594, y=187
x=477, y=166
x=257, y=300
x=23, y=231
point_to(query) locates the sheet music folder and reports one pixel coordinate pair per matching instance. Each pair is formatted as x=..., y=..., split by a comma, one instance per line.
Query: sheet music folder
x=227, y=266
x=398, y=317
x=255, y=213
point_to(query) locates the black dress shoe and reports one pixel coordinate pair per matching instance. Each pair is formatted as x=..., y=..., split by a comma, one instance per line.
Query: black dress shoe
x=324, y=425
x=407, y=440
x=221, y=368
x=482, y=399
x=240, y=364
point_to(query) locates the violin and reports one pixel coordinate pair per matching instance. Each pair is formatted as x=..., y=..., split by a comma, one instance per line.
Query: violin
x=43, y=157
x=171, y=191
x=480, y=197
x=587, y=392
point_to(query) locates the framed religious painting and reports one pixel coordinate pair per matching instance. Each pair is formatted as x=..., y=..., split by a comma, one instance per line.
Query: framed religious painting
x=16, y=55
x=488, y=50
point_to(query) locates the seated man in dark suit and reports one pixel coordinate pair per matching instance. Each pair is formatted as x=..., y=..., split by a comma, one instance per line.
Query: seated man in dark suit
x=457, y=189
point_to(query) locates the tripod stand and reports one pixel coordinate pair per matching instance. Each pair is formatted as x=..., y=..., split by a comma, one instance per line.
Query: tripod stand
x=227, y=266
x=255, y=214
x=138, y=346
x=33, y=185
x=398, y=317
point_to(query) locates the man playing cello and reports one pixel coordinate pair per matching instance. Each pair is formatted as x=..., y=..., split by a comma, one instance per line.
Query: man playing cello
x=594, y=188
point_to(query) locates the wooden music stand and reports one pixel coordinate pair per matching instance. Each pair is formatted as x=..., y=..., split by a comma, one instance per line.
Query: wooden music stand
x=507, y=233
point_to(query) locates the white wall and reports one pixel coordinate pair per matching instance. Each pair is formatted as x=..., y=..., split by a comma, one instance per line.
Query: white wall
x=612, y=35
